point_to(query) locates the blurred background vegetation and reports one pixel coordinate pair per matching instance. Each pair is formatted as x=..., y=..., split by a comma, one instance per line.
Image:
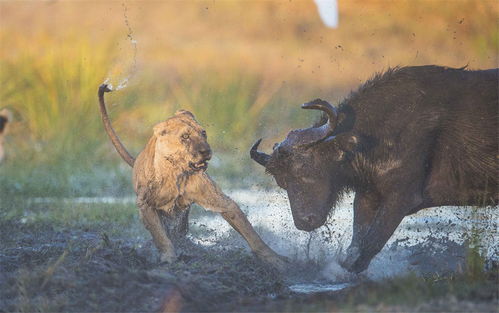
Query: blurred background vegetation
x=242, y=67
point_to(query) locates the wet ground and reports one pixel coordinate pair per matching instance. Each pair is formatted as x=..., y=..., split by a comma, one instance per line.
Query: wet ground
x=45, y=269
x=104, y=265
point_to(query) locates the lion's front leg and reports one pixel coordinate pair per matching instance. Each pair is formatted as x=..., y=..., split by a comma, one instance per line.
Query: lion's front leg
x=151, y=220
x=238, y=220
x=207, y=194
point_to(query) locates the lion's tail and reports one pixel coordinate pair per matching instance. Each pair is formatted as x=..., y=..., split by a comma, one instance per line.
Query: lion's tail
x=125, y=155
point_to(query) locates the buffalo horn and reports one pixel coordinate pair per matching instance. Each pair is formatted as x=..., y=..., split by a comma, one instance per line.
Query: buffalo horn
x=260, y=157
x=319, y=104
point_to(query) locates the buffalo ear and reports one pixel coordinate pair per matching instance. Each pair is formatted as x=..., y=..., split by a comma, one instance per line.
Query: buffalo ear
x=346, y=145
x=347, y=142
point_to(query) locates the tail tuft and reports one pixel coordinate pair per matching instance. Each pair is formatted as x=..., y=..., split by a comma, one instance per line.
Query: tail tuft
x=105, y=88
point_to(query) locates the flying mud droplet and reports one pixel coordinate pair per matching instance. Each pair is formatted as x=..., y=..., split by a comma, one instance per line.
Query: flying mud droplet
x=133, y=67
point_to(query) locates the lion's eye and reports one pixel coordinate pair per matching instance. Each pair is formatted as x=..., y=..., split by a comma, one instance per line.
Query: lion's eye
x=163, y=133
x=185, y=136
x=203, y=133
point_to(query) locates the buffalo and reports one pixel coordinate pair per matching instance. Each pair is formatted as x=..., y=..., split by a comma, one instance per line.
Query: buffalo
x=408, y=139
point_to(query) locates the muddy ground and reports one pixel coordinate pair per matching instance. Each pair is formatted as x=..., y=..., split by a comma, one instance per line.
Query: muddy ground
x=48, y=269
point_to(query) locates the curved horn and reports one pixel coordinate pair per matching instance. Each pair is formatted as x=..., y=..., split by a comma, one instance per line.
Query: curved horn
x=260, y=157
x=319, y=104
x=313, y=135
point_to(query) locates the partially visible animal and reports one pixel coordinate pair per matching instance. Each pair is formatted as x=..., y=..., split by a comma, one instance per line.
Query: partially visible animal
x=169, y=175
x=408, y=139
x=5, y=118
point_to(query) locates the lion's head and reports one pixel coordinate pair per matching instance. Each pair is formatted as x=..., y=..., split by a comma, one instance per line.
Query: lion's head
x=181, y=140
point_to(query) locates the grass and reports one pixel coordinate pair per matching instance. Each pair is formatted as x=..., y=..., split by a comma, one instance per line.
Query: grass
x=242, y=68
x=58, y=146
x=53, y=93
x=412, y=291
x=110, y=218
x=454, y=292
x=60, y=134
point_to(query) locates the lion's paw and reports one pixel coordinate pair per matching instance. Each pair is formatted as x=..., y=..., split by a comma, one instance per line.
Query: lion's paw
x=168, y=257
x=281, y=263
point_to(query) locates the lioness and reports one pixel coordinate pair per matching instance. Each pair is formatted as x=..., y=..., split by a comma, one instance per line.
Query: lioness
x=5, y=117
x=169, y=175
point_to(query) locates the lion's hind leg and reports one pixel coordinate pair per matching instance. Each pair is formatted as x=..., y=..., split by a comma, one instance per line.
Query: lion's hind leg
x=176, y=222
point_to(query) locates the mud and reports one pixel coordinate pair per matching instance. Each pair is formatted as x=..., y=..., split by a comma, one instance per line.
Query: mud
x=45, y=269
x=50, y=267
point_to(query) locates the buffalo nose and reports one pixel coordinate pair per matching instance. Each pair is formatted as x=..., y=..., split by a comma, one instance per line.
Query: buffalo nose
x=307, y=222
x=310, y=218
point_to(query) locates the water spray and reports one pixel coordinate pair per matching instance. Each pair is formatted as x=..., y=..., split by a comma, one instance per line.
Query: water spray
x=133, y=42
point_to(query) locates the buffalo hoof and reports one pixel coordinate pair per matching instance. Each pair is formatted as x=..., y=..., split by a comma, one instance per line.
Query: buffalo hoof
x=353, y=261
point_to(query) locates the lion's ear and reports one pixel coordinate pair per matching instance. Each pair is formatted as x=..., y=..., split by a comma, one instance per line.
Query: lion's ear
x=159, y=129
x=6, y=114
x=182, y=111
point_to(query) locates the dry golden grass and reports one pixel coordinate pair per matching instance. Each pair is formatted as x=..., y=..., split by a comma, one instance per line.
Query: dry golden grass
x=284, y=39
x=239, y=65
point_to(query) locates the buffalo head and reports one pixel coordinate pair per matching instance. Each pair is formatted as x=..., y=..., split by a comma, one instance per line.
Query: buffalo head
x=311, y=165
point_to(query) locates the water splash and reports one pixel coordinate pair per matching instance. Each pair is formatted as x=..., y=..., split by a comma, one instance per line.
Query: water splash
x=335, y=272
x=133, y=68
x=431, y=241
x=123, y=84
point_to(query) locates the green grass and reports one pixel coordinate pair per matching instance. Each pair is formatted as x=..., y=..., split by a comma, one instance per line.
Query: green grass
x=72, y=215
x=408, y=293
x=53, y=94
x=37, y=179
x=411, y=291
x=57, y=145
x=242, y=82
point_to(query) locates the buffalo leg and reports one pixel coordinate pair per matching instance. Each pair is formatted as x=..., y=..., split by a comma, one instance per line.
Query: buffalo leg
x=374, y=223
x=365, y=205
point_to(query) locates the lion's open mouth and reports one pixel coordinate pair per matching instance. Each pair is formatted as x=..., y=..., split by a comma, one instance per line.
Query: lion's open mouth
x=199, y=166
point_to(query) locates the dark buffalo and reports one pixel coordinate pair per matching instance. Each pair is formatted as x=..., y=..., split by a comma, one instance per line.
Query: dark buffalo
x=408, y=139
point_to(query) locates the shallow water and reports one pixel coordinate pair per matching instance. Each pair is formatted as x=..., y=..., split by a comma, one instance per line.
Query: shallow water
x=431, y=241
x=316, y=287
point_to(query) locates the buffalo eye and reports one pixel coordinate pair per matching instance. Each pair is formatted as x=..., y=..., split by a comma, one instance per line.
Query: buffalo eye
x=185, y=136
x=283, y=152
x=307, y=180
x=281, y=182
x=203, y=133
